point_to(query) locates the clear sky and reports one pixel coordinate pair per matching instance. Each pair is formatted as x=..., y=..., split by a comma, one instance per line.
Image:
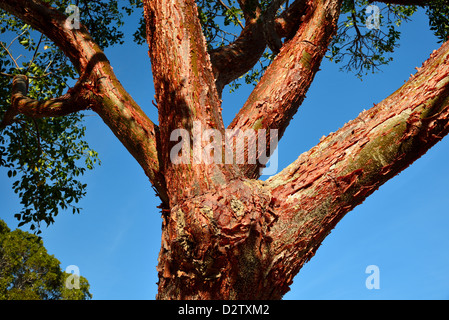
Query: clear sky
x=402, y=229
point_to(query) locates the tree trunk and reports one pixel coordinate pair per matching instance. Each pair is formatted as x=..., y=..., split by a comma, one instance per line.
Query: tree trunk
x=225, y=234
x=228, y=236
x=248, y=239
x=216, y=241
x=216, y=246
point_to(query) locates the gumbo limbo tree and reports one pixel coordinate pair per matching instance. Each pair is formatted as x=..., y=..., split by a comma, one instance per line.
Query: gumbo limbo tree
x=225, y=233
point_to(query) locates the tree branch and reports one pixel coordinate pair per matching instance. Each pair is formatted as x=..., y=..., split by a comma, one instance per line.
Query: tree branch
x=328, y=181
x=287, y=23
x=250, y=8
x=75, y=100
x=114, y=105
x=186, y=93
x=269, y=27
x=232, y=61
x=283, y=87
x=10, y=55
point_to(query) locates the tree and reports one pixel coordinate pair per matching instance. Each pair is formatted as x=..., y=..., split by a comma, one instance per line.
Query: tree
x=28, y=272
x=225, y=234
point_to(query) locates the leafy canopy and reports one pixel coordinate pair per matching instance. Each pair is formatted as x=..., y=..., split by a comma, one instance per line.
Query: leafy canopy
x=28, y=272
x=46, y=157
x=361, y=49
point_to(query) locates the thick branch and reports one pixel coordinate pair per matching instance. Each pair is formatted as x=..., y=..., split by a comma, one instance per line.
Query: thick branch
x=185, y=92
x=287, y=23
x=73, y=101
x=232, y=61
x=322, y=185
x=250, y=8
x=283, y=87
x=115, y=106
x=269, y=27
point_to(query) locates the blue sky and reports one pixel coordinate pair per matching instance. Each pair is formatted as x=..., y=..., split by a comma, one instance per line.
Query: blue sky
x=402, y=228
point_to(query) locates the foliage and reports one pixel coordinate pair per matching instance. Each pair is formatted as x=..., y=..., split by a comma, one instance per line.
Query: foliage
x=42, y=155
x=47, y=157
x=360, y=49
x=438, y=12
x=28, y=272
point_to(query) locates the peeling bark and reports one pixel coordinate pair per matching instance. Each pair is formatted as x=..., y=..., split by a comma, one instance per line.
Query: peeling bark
x=185, y=92
x=249, y=239
x=323, y=184
x=226, y=235
x=285, y=83
x=215, y=246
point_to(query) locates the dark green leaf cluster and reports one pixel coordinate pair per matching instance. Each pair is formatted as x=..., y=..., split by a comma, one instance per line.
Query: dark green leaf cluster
x=221, y=21
x=28, y=272
x=438, y=12
x=360, y=49
x=103, y=18
x=45, y=157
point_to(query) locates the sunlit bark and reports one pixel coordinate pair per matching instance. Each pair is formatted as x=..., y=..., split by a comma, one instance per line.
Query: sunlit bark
x=225, y=234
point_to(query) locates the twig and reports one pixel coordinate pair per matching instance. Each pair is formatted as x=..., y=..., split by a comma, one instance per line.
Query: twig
x=10, y=55
x=14, y=40
x=35, y=53
x=229, y=9
x=51, y=62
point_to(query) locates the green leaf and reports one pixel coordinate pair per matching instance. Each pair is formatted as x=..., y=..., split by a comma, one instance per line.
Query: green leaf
x=44, y=154
x=30, y=272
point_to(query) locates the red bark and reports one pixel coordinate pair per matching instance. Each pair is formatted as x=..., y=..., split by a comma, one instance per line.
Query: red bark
x=285, y=83
x=328, y=181
x=226, y=235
